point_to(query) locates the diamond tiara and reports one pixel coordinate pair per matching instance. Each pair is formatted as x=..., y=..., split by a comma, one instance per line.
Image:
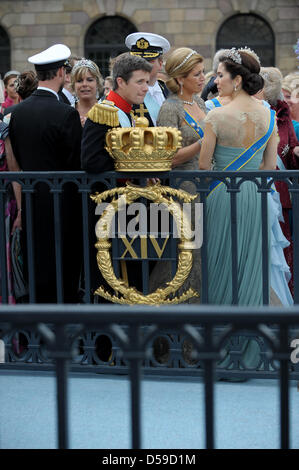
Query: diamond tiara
x=249, y=51
x=185, y=60
x=234, y=55
x=84, y=63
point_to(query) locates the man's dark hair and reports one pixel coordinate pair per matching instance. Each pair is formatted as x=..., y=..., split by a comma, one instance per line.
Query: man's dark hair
x=125, y=65
x=44, y=75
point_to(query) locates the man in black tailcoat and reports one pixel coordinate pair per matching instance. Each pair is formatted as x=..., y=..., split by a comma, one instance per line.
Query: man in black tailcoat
x=46, y=136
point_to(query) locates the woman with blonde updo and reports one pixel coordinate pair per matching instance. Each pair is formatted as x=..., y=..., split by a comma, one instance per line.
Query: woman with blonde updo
x=290, y=90
x=186, y=111
x=87, y=83
x=185, y=70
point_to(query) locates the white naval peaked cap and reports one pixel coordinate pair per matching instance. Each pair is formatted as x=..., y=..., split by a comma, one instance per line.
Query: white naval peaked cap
x=54, y=57
x=147, y=45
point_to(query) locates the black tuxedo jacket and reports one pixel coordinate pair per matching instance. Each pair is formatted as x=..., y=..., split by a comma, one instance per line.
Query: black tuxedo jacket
x=63, y=98
x=164, y=88
x=45, y=136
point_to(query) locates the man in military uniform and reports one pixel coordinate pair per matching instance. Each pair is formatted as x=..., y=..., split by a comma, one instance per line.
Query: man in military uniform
x=130, y=85
x=46, y=136
x=151, y=47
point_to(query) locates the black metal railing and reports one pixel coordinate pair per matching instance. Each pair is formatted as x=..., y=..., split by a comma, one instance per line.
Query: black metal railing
x=60, y=325
x=173, y=358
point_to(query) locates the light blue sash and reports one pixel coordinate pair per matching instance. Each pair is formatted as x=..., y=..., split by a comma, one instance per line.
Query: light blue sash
x=216, y=103
x=280, y=163
x=194, y=124
x=152, y=106
x=124, y=121
x=238, y=163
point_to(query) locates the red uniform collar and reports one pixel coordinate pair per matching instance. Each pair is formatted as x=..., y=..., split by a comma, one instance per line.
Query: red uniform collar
x=119, y=101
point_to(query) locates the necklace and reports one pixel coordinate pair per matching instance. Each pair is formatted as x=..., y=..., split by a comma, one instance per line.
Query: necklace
x=189, y=102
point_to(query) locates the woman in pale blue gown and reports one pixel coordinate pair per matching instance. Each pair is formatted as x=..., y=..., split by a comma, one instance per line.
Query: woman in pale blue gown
x=230, y=133
x=279, y=272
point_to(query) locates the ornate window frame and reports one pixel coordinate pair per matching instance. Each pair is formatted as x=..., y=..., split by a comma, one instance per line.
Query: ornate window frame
x=105, y=38
x=255, y=27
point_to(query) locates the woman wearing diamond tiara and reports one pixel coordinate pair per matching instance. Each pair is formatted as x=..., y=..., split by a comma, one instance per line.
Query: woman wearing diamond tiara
x=87, y=83
x=221, y=99
x=239, y=136
x=279, y=271
x=184, y=110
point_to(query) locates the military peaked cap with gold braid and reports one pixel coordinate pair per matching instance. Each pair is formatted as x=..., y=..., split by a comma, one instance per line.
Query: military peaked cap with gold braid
x=104, y=113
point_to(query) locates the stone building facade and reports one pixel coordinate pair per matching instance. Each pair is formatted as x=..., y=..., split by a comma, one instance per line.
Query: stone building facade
x=28, y=26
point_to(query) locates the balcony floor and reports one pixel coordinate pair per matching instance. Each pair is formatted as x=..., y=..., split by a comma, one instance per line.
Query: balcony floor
x=247, y=414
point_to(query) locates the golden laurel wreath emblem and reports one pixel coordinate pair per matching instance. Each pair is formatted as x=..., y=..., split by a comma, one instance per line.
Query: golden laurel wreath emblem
x=159, y=194
x=142, y=44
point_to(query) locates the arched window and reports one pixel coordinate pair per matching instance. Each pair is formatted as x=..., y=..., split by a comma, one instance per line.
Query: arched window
x=106, y=38
x=251, y=31
x=4, y=52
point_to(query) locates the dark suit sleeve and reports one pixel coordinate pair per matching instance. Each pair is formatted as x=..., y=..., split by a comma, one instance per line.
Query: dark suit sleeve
x=72, y=133
x=94, y=157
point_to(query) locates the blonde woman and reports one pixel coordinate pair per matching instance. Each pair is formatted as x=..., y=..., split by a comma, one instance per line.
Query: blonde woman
x=290, y=90
x=87, y=83
x=186, y=111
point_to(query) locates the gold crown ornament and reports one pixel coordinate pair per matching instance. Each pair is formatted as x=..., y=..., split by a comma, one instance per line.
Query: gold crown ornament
x=143, y=148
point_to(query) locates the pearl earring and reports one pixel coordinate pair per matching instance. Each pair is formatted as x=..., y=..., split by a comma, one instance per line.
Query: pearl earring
x=181, y=85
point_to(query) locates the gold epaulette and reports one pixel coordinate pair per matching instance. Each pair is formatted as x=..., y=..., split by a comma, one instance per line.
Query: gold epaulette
x=104, y=113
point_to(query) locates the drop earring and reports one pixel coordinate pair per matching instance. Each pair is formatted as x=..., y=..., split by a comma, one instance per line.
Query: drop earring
x=181, y=86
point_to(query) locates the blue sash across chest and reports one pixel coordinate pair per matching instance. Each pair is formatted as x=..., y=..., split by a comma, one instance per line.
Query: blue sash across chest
x=152, y=106
x=124, y=121
x=194, y=124
x=216, y=103
x=238, y=163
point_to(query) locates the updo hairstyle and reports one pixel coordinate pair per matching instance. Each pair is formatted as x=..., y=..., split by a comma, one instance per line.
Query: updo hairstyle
x=272, y=84
x=249, y=70
x=290, y=83
x=26, y=84
x=176, y=67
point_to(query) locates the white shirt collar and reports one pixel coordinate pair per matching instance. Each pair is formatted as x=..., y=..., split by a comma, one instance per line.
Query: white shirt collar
x=69, y=95
x=48, y=89
x=154, y=88
x=156, y=93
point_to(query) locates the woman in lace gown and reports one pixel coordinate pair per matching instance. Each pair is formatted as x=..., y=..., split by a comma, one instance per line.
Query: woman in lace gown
x=279, y=271
x=229, y=131
x=185, y=111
